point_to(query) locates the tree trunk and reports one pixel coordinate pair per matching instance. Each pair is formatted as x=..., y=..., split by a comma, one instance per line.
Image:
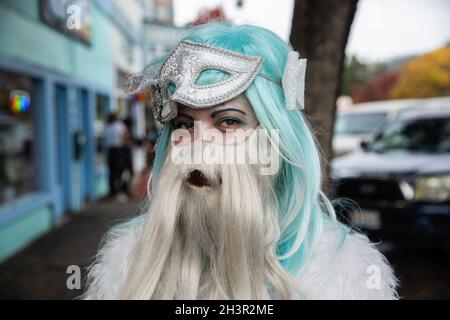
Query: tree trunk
x=320, y=29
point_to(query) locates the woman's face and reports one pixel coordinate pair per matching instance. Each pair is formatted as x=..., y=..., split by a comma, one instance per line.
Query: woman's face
x=222, y=119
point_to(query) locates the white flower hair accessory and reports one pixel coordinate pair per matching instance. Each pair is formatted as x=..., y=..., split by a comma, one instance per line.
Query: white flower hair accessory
x=293, y=81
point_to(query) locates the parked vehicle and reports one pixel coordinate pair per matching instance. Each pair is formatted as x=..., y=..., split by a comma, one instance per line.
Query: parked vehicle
x=363, y=120
x=401, y=180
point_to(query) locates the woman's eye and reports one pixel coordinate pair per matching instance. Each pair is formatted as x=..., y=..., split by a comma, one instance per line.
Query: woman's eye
x=230, y=122
x=184, y=125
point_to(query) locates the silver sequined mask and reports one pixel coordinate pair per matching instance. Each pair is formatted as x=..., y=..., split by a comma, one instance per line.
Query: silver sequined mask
x=182, y=69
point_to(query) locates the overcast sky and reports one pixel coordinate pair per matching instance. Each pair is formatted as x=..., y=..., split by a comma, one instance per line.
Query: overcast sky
x=382, y=29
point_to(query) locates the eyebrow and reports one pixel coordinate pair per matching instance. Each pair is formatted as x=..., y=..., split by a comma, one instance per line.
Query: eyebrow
x=215, y=113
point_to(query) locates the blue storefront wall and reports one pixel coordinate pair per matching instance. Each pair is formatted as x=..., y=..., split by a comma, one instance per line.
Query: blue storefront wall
x=68, y=77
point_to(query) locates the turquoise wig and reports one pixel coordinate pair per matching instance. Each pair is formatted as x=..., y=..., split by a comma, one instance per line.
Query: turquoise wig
x=302, y=207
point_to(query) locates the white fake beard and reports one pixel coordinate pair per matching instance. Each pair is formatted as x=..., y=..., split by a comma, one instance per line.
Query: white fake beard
x=211, y=242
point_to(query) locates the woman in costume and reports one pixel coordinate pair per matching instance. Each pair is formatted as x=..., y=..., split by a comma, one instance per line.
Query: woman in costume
x=223, y=230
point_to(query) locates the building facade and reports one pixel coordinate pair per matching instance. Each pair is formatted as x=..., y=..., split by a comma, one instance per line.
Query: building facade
x=62, y=64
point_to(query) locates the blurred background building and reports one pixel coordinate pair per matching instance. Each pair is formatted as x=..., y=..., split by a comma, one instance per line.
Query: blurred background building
x=160, y=33
x=62, y=67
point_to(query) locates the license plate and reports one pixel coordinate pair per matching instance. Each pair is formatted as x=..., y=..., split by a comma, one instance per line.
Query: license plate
x=367, y=219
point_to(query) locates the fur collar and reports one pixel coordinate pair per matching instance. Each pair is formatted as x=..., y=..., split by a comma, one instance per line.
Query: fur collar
x=338, y=268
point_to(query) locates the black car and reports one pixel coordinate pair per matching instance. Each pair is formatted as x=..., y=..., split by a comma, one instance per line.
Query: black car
x=400, y=181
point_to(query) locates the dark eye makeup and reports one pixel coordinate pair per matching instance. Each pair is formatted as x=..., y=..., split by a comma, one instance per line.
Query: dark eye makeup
x=228, y=118
x=230, y=122
x=183, y=121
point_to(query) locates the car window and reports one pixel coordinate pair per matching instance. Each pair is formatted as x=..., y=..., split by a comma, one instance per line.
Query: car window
x=358, y=123
x=424, y=135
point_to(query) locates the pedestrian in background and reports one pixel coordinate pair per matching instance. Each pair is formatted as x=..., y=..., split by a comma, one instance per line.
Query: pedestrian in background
x=115, y=134
x=128, y=172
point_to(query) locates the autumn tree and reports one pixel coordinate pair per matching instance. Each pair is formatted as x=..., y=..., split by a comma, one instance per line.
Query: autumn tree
x=378, y=88
x=357, y=72
x=425, y=76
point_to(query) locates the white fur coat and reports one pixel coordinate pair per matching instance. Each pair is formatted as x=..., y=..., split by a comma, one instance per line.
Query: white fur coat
x=354, y=269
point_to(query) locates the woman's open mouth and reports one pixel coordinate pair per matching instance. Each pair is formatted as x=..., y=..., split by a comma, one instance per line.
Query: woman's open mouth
x=197, y=179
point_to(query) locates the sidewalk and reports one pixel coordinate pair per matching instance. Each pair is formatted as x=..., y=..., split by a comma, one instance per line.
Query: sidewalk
x=39, y=271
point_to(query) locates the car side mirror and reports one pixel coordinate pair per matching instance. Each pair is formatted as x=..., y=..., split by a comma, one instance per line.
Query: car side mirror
x=365, y=144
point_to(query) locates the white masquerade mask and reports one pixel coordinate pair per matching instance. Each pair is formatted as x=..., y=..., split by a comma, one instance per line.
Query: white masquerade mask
x=187, y=62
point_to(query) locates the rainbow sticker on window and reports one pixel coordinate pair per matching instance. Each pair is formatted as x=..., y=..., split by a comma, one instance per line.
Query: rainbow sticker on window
x=19, y=101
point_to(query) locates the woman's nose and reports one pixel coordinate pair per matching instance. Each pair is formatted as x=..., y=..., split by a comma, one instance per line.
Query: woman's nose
x=206, y=131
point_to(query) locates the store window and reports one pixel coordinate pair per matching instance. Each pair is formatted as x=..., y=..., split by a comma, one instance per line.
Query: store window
x=17, y=168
